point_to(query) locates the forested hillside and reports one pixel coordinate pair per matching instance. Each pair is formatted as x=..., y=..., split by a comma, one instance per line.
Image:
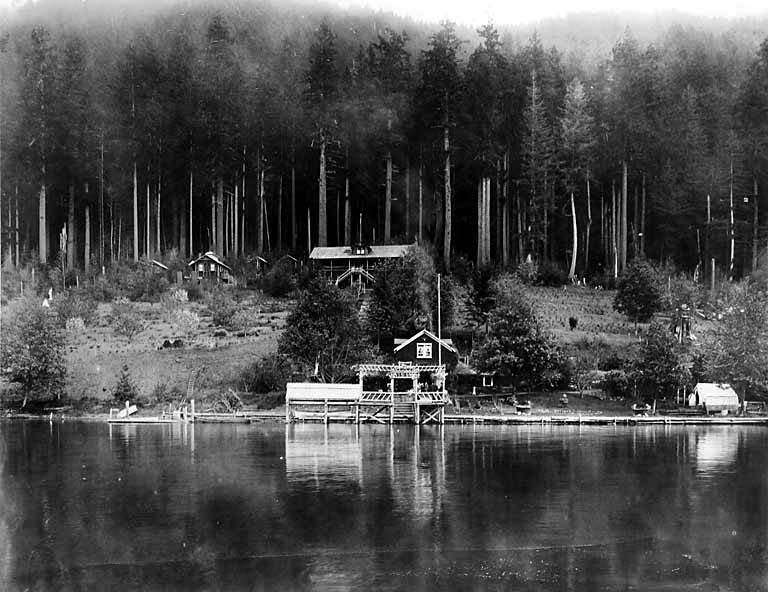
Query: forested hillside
x=248, y=127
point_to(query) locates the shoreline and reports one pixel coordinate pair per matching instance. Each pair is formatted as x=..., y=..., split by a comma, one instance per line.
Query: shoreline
x=278, y=417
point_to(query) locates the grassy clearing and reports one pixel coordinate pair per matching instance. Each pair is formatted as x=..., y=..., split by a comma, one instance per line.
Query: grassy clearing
x=96, y=354
x=593, y=310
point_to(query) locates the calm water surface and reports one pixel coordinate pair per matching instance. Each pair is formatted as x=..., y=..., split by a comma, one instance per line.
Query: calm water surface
x=172, y=507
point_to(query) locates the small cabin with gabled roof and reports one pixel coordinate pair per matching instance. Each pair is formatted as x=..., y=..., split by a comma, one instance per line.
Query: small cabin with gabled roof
x=426, y=349
x=209, y=266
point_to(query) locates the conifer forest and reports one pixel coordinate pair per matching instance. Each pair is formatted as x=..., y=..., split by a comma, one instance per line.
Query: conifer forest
x=249, y=127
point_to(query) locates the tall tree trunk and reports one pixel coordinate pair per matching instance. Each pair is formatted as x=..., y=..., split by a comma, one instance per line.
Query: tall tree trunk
x=408, y=237
x=120, y=238
x=158, y=247
x=135, y=216
x=71, y=228
x=337, y=221
x=236, y=217
x=623, y=220
x=212, y=225
x=148, y=235
x=575, y=246
x=220, y=216
x=182, y=224
x=294, y=221
x=42, y=230
x=545, y=248
x=101, y=200
x=642, y=218
x=505, y=211
x=279, y=242
x=227, y=213
x=614, y=254
x=589, y=226
x=731, y=226
x=241, y=212
x=755, y=227
x=111, y=232
x=388, y=200
x=480, y=222
x=497, y=202
x=87, y=253
x=519, y=208
x=322, y=202
x=189, y=229
x=448, y=209
x=421, y=200
x=260, y=207
x=603, y=232
x=635, y=224
x=266, y=224
x=347, y=212
x=16, y=226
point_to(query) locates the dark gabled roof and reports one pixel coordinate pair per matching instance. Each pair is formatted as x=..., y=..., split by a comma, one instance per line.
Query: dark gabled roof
x=446, y=343
x=373, y=252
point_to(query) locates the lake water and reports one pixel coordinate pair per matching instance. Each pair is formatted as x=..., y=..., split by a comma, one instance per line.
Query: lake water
x=305, y=507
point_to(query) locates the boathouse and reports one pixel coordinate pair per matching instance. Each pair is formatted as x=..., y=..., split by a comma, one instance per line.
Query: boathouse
x=210, y=267
x=426, y=349
x=415, y=393
x=354, y=265
x=714, y=398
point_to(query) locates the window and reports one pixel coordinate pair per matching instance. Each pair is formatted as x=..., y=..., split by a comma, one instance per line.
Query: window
x=423, y=351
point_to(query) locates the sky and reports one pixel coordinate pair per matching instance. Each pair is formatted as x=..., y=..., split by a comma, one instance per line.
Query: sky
x=505, y=12
x=502, y=12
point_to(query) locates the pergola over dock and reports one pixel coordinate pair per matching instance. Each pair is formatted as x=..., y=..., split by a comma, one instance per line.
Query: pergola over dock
x=417, y=401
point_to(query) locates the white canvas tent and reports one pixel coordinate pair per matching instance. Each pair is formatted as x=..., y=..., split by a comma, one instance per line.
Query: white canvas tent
x=714, y=398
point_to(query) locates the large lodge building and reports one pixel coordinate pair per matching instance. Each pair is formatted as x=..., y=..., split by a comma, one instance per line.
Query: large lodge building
x=354, y=265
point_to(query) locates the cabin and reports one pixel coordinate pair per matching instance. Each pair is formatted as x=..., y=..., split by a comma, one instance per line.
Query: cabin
x=354, y=265
x=261, y=264
x=426, y=349
x=210, y=267
x=714, y=398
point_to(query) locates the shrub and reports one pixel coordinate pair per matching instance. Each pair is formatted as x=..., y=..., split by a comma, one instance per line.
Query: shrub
x=103, y=289
x=279, y=281
x=75, y=304
x=32, y=349
x=195, y=292
x=163, y=393
x=637, y=295
x=527, y=272
x=222, y=307
x=549, y=274
x=269, y=374
x=75, y=325
x=184, y=322
x=140, y=282
x=270, y=400
x=616, y=383
x=125, y=389
x=126, y=322
x=244, y=318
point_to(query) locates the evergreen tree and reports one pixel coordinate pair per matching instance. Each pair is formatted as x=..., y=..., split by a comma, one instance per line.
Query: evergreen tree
x=321, y=97
x=436, y=97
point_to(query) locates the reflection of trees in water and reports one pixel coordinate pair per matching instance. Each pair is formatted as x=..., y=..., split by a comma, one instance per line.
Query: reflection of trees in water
x=557, y=508
x=139, y=508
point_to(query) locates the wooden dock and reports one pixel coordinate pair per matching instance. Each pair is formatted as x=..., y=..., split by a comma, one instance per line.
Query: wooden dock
x=603, y=420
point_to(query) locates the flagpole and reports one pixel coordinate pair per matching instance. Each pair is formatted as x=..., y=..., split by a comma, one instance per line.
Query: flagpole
x=439, y=329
